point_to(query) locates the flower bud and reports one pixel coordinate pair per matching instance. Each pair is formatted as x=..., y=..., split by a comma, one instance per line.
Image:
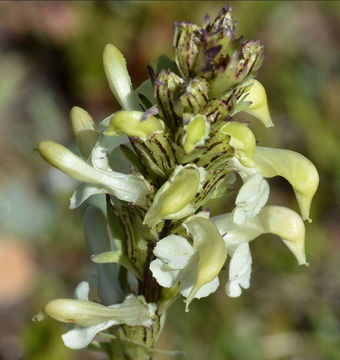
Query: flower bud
x=84, y=130
x=196, y=132
x=131, y=124
x=259, y=106
x=187, y=42
x=118, y=77
x=172, y=200
x=242, y=140
x=211, y=249
x=297, y=169
x=168, y=88
x=243, y=64
x=194, y=98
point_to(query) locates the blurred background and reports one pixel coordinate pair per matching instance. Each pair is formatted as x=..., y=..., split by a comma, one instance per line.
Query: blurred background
x=51, y=59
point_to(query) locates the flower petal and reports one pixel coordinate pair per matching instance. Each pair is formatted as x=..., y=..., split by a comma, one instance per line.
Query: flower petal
x=165, y=277
x=259, y=107
x=252, y=196
x=242, y=140
x=296, y=168
x=175, y=251
x=82, y=291
x=83, y=192
x=239, y=270
x=188, y=282
x=277, y=220
x=211, y=250
x=79, y=337
x=129, y=188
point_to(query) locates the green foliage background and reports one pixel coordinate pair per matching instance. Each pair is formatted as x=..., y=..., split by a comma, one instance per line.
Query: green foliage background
x=51, y=59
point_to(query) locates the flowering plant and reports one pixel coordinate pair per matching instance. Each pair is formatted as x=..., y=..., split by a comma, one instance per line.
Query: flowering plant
x=173, y=146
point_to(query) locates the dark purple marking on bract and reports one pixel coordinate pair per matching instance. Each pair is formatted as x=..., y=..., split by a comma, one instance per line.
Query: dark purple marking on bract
x=150, y=112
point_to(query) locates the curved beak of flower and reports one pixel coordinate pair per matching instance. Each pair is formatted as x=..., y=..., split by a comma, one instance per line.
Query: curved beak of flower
x=259, y=106
x=297, y=169
x=277, y=220
x=242, y=140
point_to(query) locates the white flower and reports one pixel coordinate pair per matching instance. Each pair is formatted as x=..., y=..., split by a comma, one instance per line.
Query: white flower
x=91, y=318
x=277, y=220
x=177, y=261
x=195, y=266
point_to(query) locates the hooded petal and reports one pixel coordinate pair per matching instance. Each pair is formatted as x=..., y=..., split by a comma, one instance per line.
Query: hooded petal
x=277, y=220
x=297, y=169
x=259, y=106
x=125, y=187
x=251, y=197
x=118, y=77
x=242, y=140
x=188, y=282
x=211, y=250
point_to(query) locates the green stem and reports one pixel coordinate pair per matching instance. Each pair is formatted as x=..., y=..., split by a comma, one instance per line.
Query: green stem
x=142, y=346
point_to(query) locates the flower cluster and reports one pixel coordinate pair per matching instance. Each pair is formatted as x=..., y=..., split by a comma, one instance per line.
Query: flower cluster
x=175, y=145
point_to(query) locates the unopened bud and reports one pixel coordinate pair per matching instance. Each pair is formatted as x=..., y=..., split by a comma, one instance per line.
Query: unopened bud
x=172, y=200
x=84, y=130
x=131, y=124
